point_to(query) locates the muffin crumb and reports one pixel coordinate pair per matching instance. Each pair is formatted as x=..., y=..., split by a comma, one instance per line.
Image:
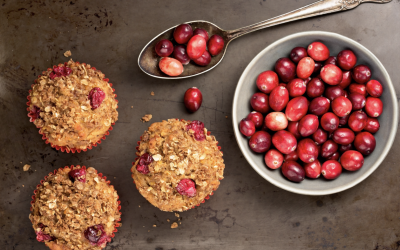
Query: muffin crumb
x=146, y=118
x=177, y=215
x=67, y=53
x=154, y=225
x=168, y=220
x=152, y=93
x=26, y=167
x=174, y=225
x=131, y=107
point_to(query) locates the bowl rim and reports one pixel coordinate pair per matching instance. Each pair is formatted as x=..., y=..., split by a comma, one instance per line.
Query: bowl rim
x=343, y=187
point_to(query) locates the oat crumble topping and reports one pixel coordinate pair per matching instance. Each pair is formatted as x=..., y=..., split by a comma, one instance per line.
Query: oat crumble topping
x=146, y=118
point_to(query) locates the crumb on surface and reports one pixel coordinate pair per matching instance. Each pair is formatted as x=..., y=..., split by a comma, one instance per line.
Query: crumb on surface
x=26, y=167
x=168, y=220
x=152, y=93
x=146, y=118
x=154, y=225
x=131, y=107
x=226, y=117
x=177, y=215
x=67, y=53
x=174, y=225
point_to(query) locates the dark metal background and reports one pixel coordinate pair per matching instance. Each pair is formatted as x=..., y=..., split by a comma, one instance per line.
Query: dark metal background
x=246, y=212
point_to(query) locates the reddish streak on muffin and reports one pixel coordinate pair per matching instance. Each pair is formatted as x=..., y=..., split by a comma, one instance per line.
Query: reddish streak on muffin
x=96, y=97
x=187, y=187
x=96, y=235
x=60, y=71
x=78, y=174
x=40, y=236
x=198, y=128
x=35, y=112
x=144, y=161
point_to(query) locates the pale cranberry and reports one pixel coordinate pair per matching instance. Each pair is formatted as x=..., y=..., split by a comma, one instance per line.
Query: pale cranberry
x=276, y=121
x=170, y=66
x=329, y=122
x=293, y=171
x=318, y=51
x=374, y=88
x=193, y=99
x=279, y=98
x=296, y=108
x=332, y=92
x=203, y=60
x=319, y=106
x=315, y=88
x=284, y=141
x=328, y=148
x=291, y=156
x=358, y=121
x=343, y=136
x=259, y=102
x=372, y=125
x=285, y=69
x=352, y=160
x=365, y=143
x=331, y=60
x=297, y=54
x=331, y=169
x=181, y=55
x=308, y=125
x=373, y=107
x=331, y=74
x=346, y=79
x=357, y=89
x=260, y=142
x=164, y=48
x=361, y=74
x=307, y=150
x=196, y=47
x=296, y=87
x=313, y=169
x=320, y=136
x=96, y=97
x=257, y=118
x=305, y=68
x=357, y=101
x=246, y=127
x=215, y=44
x=267, y=81
x=346, y=59
x=293, y=128
x=201, y=32
x=273, y=159
x=186, y=187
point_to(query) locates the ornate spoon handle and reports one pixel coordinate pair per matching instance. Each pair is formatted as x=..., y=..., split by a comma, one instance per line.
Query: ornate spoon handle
x=315, y=9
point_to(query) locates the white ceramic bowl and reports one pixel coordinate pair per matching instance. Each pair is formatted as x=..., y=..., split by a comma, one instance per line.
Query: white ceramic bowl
x=265, y=60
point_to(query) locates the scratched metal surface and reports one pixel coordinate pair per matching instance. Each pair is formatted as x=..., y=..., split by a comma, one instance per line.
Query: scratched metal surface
x=246, y=212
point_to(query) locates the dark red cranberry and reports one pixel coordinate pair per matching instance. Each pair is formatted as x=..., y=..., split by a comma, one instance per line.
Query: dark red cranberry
x=247, y=127
x=196, y=47
x=352, y=160
x=332, y=92
x=273, y=159
x=318, y=67
x=170, y=66
x=308, y=125
x=313, y=169
x=183, y=33
x=331, y=169
x=297, y=54
x=257, y=118
x=307, y=80
x=204, y=60
x=320, y=136
x=319, y=106
x=296, y=108
x=260, y=142
x=293, y=171
x=328, y=148
x=343, y=136
x=215, y=44
x=315, y=88
x=335, y=156
x=186, y=187
x=276, y=121
x=357, y=89
x=180, y=54
x=259, y=102
x=267, y=81
x=201, y=32
x=365, y=143
x=41, y=237
x=346, y=80
x=318, y=51
x=198, y=128
x=164, y=48
x=293, y=128
x=346, y=59
x=341, y=106
x=96, y=97
x=357, y=101
x=358, y=121
x=285, y=69
x=279, y=98
x=343, y=120
x=331, y=60
x=361, y=74
x=78, y=174
x=331, y=74
x=344, y=148
x=296, y=87
x=305, y=68
x=372, y=125
x=143, y=165
x=193, y=99
x=284, y=141
x=307, y=150
x=374, y=88
x=96, y=235
x=329, y=122
x=59, y=71
x=291, y=156
x=373, y=107
x=35, y=111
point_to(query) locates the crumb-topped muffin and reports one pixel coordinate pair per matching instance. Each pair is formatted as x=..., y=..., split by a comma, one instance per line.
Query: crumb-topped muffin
x=75, y=208
x=73, y=105
x=179, y=165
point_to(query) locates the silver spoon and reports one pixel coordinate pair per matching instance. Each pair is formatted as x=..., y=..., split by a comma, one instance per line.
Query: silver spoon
x=148, y=59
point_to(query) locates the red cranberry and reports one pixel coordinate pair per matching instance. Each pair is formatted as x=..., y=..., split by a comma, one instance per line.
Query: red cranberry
x=164, y=48
x=279, y=98
x=257, y=118
x=260, y=142
x=343, y=120
x=293, y=171
x=198, y=128
x=307, y=150
x=313, y=169
x=186, y=187
x=320, y=136
x=41, y=237
x=352, y=160
x=346, y=80
x=357, y=89
x=331, y=169
x=358, y=121
x=305, y=68
x=361, y=74
x=204, y=60
x=246, y=127
x=170, y=66
x=373, y=107
x=291, y=156
x=180, y=54
x=346, y=59
x=372, y=125
x=328, y=148
x=273, y=158
x=183, y=33
x=276, y=121
x=365, y=143
x=344, y=148
x=78, y=174
x=144, y=161
x=308, y=125
x=319, y=106
x=297, y=54
x=284, y=141
x=296, y=87
x=331, y=74
x=315, y=88
x=296, y=108
x=193, y=99
x=332, y=92
x=285, y=69
x=59, y=71
x=335, y=156
x=293, y=128
x=374, y=88
x=259, y=102
x=96, y=97
x=201, y=32
x=357, y=101
x=329, y=122
x=331, y=60
x=267, y=81
x=341, y=106
x=343, y=136
x=215, y=44
x=318, y=51
x=96, y=235
x=196, y=47
x=318, y=67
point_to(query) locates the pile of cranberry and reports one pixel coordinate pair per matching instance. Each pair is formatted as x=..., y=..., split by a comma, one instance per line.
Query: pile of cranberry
x=196, y=49
x=325, y=110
